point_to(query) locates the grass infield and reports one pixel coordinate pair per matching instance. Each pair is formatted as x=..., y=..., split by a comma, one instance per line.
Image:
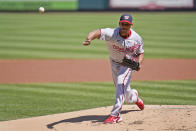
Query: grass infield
x=27, y=100
x=60, y=35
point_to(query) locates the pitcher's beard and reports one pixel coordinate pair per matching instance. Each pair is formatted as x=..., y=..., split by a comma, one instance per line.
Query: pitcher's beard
x=124, y=33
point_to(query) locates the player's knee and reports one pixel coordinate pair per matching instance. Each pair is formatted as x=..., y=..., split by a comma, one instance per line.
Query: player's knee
x=120, y=79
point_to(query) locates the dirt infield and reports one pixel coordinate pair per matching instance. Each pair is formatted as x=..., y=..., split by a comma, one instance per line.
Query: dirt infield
x=153, y=118
x=28, y=71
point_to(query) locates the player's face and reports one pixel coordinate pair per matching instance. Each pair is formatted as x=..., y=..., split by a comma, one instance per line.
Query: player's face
x=124, y=28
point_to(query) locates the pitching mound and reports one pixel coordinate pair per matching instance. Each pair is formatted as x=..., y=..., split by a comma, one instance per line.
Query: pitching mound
x=152, y=118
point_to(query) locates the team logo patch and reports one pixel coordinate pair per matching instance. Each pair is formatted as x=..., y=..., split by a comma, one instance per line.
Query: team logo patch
x=126, y=17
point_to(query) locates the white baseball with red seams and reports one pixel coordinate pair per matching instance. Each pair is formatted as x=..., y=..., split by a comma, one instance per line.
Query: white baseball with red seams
x=119, y=47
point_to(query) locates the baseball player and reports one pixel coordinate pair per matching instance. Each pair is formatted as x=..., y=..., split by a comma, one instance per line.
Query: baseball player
x=126, y=52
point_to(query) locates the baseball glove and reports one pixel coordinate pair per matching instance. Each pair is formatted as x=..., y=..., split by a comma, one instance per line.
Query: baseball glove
x=131, y=64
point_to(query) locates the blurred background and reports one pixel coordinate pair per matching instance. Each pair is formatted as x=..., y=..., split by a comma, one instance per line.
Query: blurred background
x=62, y=5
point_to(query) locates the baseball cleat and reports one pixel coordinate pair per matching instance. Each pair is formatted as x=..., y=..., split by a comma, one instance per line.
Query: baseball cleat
x=112, y=120
x=140, y=103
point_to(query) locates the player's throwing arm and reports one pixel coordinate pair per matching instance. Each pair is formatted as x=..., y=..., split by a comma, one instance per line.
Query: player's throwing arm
x=91, y=36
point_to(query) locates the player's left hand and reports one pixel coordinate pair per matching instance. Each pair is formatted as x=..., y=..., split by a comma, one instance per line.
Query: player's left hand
x=134, y=65
x=86, y=42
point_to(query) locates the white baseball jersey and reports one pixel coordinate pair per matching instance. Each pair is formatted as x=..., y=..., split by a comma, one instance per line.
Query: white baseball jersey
x=118, y=46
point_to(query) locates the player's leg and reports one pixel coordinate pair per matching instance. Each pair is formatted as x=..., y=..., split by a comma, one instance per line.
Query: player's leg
x=130, y=97
x=133, y=97
x=115, y=67
x=139, y=102
x=123, y=80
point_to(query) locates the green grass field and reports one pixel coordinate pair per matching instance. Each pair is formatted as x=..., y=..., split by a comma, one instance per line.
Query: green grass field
x=27, y=100
x=59, y=35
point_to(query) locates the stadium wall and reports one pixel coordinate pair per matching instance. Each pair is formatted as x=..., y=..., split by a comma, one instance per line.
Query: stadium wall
x=137, y=5
x=98, y=5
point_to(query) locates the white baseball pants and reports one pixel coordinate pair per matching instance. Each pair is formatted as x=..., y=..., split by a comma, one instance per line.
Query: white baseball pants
x=121, y=77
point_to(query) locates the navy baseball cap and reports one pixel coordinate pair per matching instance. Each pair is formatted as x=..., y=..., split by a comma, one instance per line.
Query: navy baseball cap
x=126, y=18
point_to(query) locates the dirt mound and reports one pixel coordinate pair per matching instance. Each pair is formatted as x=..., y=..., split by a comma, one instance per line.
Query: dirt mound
x=152, y=118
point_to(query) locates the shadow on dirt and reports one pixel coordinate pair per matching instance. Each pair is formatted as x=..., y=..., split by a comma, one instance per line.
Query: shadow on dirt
x=92, y=118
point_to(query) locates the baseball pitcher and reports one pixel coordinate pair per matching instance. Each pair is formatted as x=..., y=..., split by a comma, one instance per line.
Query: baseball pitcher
x=126, y=50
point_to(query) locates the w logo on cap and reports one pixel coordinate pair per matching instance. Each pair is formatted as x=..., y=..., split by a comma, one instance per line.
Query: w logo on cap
x=126, y=17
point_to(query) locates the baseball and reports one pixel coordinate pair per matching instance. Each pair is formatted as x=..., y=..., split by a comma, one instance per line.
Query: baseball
x=41, y=9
